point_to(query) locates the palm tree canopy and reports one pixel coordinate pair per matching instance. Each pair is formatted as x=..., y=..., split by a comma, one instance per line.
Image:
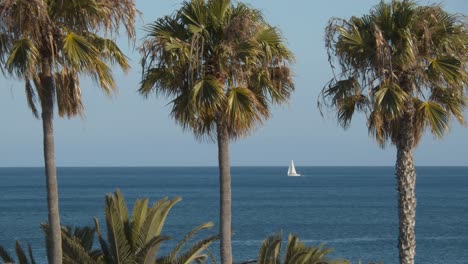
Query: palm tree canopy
x=398, y=57
x=220, y=63
x=63, y=36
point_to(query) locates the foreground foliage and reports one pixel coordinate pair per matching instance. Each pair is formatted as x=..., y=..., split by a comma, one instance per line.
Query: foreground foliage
x=130, y=239
x=296, y=252
x=404, y=66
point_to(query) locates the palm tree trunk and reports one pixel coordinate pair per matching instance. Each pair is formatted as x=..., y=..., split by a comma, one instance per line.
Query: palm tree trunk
x=406, y=183
x=224, y=194
x=54, y=240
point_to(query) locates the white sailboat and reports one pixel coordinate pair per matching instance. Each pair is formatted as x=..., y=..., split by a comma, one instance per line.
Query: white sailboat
x=292, y=170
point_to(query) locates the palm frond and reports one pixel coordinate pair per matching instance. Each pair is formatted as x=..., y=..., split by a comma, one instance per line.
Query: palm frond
x=243, y=111
x=23, y=58
x=68, y=93
x=140, y=210
x=147, y=254
x=79, y=52
x=270, y=249
x=116, y=217
x=390, y=100
x=453, y=100
x=434, y=116
x=193, y=254
x=31, y=97
x=187, y=237
x=5, y=256
x=22, y=259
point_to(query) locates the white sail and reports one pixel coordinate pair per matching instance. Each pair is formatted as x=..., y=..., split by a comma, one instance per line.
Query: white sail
x=292, y=170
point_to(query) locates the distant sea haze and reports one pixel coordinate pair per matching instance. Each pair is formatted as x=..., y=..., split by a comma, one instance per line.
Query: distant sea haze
x=351, y=209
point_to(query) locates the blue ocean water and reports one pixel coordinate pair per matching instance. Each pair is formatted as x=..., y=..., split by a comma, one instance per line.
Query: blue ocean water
x=351, y=209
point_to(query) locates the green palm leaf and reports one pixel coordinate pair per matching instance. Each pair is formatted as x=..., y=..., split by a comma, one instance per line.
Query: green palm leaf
x=78, y=51
x=243, y=110
x=147, y=254
x=194, y=253
x=453, y=100
x=140, y=210
x=116, y=217
x=188, y=236
x=435, y=116
x=390, y=99
x=270, y=250
x=23, y=58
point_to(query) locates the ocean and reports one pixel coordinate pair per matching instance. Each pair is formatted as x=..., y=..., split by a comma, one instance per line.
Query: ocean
x=351, y=209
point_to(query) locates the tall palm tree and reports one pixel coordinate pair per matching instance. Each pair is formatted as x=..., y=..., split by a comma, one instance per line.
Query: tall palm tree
x=404, y=66
x=48, y=44
x=223, y=65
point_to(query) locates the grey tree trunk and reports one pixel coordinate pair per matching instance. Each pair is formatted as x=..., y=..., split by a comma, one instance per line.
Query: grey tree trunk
x=406, y=183
x=54, y=251
x=224, y=194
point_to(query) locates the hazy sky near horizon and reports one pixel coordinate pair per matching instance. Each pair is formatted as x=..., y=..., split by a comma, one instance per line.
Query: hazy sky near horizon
x=129, y=130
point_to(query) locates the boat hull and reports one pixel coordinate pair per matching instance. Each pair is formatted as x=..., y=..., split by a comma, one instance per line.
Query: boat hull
x=294, y=175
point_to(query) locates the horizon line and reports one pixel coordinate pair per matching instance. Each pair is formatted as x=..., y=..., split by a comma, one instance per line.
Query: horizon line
x=234, y=166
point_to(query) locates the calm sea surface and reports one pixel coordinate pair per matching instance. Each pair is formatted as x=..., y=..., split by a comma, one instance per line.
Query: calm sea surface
x=351, y=209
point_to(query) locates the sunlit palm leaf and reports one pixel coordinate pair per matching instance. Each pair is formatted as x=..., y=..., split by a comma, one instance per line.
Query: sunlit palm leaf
x=116, y=215
x=79, y=52
x=207, y=95
x=447, y=69
x=140, y=210
x=390, y=100
x=452, y=100
x=243, y=110
x=435, y=116
x=109, y=50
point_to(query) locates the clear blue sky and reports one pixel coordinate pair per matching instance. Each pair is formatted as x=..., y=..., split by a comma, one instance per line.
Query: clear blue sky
x=128, y=130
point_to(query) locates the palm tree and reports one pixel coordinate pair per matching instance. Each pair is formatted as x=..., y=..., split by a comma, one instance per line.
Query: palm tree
x=48, y=44
x=296, y=252
x=404, y=66
x=222, y=65
x=137, y=240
